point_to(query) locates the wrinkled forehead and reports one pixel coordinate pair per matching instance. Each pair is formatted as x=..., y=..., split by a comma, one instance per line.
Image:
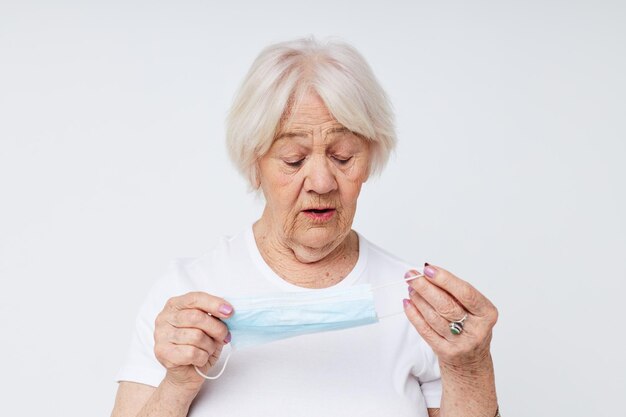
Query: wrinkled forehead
x=329, y=134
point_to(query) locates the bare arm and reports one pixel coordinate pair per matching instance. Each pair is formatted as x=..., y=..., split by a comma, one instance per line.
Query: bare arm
x=130, y=398
x=469, y=392
x=138, y=400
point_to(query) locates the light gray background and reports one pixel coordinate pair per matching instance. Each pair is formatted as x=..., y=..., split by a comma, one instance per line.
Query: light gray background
x=509, y=172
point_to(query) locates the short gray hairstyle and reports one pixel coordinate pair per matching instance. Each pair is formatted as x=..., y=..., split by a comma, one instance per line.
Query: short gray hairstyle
x=282, y=73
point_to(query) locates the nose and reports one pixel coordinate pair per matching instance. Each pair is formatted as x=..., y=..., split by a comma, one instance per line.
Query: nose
x=320, y=177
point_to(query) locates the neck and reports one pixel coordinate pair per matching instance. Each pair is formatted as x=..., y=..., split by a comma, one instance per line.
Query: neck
x=304, y=266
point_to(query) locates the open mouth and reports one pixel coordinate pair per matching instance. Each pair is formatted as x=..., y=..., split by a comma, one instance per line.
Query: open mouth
x=319, y=211
x=320, y=215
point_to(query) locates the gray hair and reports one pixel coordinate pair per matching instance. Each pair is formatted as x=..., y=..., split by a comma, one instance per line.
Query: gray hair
x=282, y=73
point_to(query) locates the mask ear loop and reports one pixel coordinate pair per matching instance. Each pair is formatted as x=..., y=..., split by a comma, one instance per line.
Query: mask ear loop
x=219, y=374
x=407, y=279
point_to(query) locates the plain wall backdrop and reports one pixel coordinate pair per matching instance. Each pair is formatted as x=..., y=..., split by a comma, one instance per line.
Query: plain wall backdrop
x=509, y=172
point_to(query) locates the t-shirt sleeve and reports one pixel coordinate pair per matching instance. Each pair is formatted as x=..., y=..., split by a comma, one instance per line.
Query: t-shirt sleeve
x=429, y=376
x=141, y=365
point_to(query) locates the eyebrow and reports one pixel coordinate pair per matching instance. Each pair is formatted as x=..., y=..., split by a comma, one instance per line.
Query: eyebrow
x=341, y=129
x=294, y=134
x=286, y=135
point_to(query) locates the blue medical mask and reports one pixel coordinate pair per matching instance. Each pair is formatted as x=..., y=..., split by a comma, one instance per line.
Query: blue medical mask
x=264, y=319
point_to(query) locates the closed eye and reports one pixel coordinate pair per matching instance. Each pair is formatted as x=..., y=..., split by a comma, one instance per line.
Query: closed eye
x=295, y=164
x=342, y=160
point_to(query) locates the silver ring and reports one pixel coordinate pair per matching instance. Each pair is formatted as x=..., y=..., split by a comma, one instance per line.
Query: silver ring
x=456, y=327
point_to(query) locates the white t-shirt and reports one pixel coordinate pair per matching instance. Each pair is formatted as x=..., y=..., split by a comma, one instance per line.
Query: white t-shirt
x=381, y=369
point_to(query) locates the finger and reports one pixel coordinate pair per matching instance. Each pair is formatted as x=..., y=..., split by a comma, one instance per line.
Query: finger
x=210, y=304
x=430, y=315
x=442, y=302
x=434, y=340
x=469, y=297
x=196, y=319
x=213, y=359
x=193, y=337
x=181, y=355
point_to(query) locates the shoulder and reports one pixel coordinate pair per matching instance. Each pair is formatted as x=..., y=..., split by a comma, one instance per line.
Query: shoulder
x=383, y=255
x=382, y=264
x=200, y=273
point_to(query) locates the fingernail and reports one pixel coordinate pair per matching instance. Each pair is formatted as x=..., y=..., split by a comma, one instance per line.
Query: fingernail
x=411, y=273
x=405, y=302
x=410, y=290
x=228, y=337
x=429, y=271
x=225, y=309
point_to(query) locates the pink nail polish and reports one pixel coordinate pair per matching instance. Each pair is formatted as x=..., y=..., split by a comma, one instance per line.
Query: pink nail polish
x=429, y=271
x=411, y=273
x=405, y=302
x=410, y=290
x=228, y=338
x=225, y=309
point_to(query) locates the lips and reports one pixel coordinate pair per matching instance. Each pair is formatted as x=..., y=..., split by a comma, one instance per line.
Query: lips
x=319, y=214
x=319, y=210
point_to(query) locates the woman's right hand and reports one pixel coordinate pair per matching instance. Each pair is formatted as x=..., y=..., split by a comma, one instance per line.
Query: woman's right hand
x=188, y=331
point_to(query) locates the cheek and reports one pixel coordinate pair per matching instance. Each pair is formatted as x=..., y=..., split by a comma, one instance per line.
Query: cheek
x=351, y=182
x=275, y=182
x=350, y=194
x=282, y=191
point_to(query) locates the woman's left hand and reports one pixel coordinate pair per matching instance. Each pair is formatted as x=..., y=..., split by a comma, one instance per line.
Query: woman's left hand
x=441, y=298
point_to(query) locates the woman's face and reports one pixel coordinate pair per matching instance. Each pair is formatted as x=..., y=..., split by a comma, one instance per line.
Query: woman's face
x=311, y=178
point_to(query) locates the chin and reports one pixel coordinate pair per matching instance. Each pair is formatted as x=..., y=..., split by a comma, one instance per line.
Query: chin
x=320, y=238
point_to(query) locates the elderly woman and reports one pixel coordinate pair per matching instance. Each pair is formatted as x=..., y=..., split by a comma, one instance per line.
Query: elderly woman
x=309, y=126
